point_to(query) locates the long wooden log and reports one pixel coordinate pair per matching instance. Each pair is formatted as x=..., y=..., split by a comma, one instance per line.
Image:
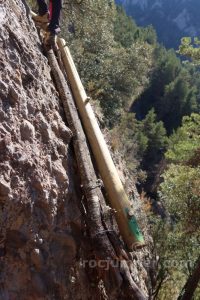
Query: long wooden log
x=91, y=190
x=86, y=170
x=117, y=196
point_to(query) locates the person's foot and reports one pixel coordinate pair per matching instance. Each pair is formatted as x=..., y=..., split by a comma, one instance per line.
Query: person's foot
x=41, y=19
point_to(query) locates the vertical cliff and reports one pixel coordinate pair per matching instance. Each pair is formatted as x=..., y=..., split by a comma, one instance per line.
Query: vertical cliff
x=39, y=216
x=43, y=236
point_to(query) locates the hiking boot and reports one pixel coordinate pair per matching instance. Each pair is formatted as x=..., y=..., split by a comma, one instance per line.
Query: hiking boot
x=41, y=19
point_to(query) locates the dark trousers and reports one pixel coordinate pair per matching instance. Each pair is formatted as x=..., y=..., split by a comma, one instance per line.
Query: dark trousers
x=56, y=10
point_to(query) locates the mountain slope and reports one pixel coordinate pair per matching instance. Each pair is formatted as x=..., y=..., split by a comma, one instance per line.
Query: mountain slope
x=172, y=19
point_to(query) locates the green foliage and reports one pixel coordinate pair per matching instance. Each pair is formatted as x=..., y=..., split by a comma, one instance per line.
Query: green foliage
x=172, y=92
x=178, y=243
x=152, y=141
x=149, y=35
x=111, y=70
x=140, y=140
x=180, y=193
x=124, y=140
x=125, y=29
x=123, y=71
x=185, y=141
x=154, y=132
x=190, y=49
x=87, y=26
x=126, y=32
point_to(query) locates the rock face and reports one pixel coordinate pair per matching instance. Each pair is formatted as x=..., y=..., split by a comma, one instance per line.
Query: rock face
x=172, y=19
x=43, y=240
x=38, y=200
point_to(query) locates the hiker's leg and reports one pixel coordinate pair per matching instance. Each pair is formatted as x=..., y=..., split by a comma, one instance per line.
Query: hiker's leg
x=43, y=8
x=54, y=25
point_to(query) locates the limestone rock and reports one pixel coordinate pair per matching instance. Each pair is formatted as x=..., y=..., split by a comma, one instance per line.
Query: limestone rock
x=59, y=172
x=33, y=181
x=4, y=187
x=65, y=133
x=27, y=131
x=13, y=95
x=44, y=128
x=3, y=88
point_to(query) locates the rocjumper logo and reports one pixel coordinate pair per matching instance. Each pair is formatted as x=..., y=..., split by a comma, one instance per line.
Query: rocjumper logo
x=106, y=264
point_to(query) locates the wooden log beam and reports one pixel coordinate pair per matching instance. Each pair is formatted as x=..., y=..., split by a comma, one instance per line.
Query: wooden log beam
x=86, y=170
x=117, y=196
x=101, y=243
